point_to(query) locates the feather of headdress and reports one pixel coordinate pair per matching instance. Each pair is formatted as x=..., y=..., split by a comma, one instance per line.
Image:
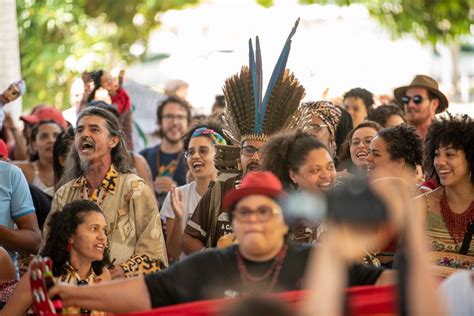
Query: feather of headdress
x=226, y=158
x=279, y=68
x=240, y=109
x=283, y=102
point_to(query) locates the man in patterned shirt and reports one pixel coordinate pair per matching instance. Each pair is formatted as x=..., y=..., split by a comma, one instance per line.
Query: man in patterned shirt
x=99, y=169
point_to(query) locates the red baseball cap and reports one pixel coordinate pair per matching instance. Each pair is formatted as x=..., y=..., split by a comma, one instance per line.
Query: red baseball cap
x=46, y=113
x=3, y=149
x=259, y=182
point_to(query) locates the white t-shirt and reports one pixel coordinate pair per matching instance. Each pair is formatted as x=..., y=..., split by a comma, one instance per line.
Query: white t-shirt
x=191, y=199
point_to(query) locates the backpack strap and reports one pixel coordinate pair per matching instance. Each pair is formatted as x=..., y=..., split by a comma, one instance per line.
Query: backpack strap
x=466, y=242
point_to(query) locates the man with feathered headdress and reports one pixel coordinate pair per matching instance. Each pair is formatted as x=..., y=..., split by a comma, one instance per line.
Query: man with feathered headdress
x=249, y=121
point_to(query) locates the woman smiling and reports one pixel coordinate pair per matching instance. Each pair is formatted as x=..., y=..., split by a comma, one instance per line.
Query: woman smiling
x=450, y=208
x=179, y=204
x=78, y=245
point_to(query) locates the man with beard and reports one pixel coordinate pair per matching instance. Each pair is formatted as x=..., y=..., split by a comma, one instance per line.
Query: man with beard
x=99, y=169
x=422, y=100
x=166, y=160
x=250, y=119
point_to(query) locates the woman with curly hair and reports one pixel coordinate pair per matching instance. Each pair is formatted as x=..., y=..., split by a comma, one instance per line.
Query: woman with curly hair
x=449, y=209
x=301, y=162
x=77, y=244
x=392, y=151
x=397, y=148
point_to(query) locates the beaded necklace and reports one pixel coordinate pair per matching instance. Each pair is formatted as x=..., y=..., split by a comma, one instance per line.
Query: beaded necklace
x=456, y=223
x=273, y=271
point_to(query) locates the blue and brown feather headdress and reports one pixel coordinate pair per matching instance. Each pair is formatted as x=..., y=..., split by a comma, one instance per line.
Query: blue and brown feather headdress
x=249, y=113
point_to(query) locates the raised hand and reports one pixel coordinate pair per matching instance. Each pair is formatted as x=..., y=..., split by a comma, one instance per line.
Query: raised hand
x=177, y=202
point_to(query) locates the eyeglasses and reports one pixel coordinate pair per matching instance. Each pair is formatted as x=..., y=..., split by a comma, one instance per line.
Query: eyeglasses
x=317, y=127
x=417, y=99
x=203, y=151
x=249, y=151
x=356, y=141
x=171, y=117
x=263, y=213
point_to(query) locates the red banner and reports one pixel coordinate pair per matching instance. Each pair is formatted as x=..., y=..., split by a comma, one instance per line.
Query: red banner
x=363, y=300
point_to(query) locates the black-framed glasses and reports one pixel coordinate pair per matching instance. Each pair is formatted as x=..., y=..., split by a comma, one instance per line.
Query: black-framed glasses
x=417, y=99
x=249, y=151
x=263, y=213
x=203, y=151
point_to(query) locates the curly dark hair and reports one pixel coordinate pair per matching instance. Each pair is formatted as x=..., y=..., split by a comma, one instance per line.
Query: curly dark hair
x=403, y=142
x=210, y=124
x=366, y=96
x=382, y=113
x=345, y=160
x=61, y=227
x=287, y=151
x=455, y=131
x=172, y=99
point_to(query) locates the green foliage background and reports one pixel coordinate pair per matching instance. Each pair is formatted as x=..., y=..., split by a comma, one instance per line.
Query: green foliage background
x=59, y=39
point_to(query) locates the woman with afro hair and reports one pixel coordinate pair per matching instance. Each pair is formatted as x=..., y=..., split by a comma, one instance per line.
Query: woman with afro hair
x=78, y=245
x=449, y=209
x=395, y=149
x=392, y=151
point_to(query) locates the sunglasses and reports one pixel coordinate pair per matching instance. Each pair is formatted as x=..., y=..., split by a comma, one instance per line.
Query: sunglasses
x=417, y=99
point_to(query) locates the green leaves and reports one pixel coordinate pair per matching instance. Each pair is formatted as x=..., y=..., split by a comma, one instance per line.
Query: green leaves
x=429, y=21
x=59, y=39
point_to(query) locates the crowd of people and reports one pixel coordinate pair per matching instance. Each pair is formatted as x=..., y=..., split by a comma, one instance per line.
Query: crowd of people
x=268, y=194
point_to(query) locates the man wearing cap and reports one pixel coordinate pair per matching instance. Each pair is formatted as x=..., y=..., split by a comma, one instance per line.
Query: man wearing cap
x=262, y=262
x=422, y=100
x=250, y=118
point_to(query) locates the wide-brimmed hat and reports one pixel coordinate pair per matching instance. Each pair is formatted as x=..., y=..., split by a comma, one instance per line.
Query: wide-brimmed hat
x=423, y=81
x=255, y=183
x=46, y=113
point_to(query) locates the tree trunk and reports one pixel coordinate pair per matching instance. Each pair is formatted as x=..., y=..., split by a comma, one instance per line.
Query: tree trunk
x=10, y=69
x=455, y=50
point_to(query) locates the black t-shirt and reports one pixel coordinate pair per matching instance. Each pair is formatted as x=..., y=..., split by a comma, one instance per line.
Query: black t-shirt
x=214, y=274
